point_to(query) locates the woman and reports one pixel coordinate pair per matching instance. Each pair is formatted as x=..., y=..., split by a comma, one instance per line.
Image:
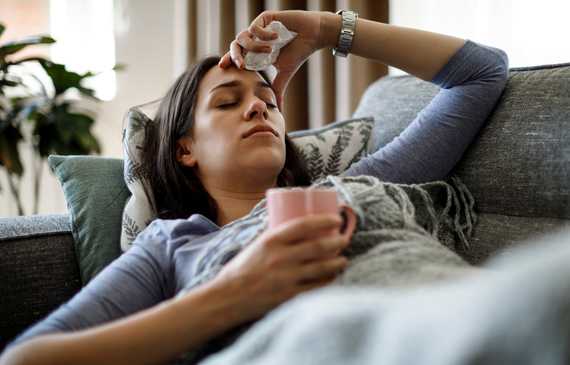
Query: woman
x=228, y=148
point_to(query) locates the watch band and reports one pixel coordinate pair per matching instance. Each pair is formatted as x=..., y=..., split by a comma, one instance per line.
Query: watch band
x=346, y=33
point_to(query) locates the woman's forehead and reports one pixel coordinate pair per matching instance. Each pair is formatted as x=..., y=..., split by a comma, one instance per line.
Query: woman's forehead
x=217, y=76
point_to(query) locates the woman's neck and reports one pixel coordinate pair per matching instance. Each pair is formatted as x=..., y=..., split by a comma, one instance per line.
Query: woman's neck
x=231, y=208
x=234, y=203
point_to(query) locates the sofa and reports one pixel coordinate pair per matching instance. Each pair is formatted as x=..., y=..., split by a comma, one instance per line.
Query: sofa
x=517, y=169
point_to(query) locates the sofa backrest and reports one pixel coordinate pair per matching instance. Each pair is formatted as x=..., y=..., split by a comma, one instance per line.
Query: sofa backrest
x=518, y=167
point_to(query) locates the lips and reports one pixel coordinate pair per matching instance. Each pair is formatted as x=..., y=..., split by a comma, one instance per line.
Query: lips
x=259, y=128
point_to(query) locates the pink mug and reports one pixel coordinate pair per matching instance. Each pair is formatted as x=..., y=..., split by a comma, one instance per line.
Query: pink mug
x=284, y=204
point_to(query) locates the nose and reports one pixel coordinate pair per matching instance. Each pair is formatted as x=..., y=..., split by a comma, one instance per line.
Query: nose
x=255, y=107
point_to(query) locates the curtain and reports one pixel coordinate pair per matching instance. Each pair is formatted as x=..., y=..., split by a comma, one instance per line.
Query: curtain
x=326, y=88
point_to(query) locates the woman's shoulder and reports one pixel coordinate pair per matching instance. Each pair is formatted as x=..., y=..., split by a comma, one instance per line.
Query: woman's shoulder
x=175, y=232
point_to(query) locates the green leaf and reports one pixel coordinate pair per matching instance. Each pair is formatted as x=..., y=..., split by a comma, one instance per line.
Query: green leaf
x=63, y=79
x=18, y=44
x=4, y=82
x=9, y=156
x=119, y=67
x=65, y=133
x=79, y=126
x=29, y=59
x=22, y=109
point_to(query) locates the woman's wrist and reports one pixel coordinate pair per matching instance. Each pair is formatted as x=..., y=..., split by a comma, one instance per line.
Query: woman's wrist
x=213, y=297
x=330, y=29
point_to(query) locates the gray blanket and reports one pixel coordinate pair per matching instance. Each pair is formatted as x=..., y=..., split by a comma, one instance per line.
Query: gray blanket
x=406, y=236
x=513, y=313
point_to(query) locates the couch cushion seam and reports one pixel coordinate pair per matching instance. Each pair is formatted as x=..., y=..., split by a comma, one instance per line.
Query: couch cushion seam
x=39, y=234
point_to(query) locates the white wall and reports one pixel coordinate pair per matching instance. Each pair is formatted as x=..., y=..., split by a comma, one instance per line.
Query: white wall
x=531, y=32
x=150, y=40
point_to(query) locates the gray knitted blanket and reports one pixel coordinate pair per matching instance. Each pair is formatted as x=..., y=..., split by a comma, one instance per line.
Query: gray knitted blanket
x=406, y=235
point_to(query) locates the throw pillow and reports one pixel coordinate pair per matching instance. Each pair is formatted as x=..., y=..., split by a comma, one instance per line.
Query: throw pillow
x=332, y=149
x=95, y=193
x=138, y=212
x=329, y=151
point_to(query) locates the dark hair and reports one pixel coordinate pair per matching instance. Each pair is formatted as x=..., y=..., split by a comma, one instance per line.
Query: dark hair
x=177, y=191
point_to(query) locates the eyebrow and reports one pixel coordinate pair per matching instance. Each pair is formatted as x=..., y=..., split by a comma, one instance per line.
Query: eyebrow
x=236, y=83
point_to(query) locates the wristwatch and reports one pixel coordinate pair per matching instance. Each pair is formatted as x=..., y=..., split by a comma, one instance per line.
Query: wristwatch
x=346, y=33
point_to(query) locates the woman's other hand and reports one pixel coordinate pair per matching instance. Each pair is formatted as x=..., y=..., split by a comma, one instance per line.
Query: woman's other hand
x=280, y=264
x=310, y=27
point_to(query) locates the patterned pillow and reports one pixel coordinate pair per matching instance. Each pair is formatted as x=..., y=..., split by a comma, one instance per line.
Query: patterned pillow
x=329, y=151
x=332, y=149
x=138, y=212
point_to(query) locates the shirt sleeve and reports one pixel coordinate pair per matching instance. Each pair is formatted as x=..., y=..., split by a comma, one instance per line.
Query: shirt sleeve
x=138, y=279
x=471, y=83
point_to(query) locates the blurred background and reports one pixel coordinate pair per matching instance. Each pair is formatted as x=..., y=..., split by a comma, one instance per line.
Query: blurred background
x=155, y=40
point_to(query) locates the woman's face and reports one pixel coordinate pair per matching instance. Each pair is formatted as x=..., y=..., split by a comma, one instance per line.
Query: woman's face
x=239, y=133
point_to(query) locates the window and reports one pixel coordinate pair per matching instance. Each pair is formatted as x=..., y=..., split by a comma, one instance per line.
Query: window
x=85, y=41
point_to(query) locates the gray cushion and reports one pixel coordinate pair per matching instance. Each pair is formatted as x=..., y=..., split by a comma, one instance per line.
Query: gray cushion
x=518, y=168
x=394, y=103
x=41, y=271
x=495, y=234
x=95, y=193
x=520, y=163
x=29, y=226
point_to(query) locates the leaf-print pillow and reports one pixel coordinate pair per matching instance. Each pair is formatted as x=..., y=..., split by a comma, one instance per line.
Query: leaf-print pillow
x=138, y=212
x=329, y=151
x=332, y=149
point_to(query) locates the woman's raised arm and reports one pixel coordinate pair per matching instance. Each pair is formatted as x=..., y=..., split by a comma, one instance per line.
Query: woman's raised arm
x=471, y=76
x=417, y=52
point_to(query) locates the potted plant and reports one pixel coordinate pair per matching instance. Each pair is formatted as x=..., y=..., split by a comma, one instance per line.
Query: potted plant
x=47, y=120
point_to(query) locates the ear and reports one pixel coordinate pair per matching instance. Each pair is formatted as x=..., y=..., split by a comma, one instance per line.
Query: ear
x=184, y=154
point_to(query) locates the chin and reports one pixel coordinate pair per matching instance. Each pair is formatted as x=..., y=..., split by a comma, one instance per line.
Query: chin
x=266, y=163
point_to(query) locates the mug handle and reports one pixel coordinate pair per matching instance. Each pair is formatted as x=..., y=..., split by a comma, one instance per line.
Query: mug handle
x=350, y=220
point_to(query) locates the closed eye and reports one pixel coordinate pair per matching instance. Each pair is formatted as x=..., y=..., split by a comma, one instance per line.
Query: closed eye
x=225, y=106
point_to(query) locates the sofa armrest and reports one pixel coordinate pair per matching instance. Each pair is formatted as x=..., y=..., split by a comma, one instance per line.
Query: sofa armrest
x=34, y=225
x=38, y=268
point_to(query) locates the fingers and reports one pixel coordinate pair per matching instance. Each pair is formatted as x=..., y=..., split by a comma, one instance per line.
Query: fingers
x=309, y=258
x=257, y=27
x=318, y=248
x=236, y=55
x=298, y=229
x=244, y=40
x=322, y=271
x=226, y=60
x=264, y=35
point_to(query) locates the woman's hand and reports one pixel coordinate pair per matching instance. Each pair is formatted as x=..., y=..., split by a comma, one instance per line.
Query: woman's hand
x=281, y=263
x=310, y=38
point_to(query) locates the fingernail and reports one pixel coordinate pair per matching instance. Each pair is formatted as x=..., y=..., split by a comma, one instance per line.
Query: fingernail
x=274, y=36
x=238, y=63
x=266, y=49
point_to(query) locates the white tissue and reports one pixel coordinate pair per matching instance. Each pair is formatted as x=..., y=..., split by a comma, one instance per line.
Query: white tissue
x=261, y=61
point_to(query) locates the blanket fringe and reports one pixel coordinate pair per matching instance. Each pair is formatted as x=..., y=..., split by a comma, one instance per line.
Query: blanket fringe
x=458, y=213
